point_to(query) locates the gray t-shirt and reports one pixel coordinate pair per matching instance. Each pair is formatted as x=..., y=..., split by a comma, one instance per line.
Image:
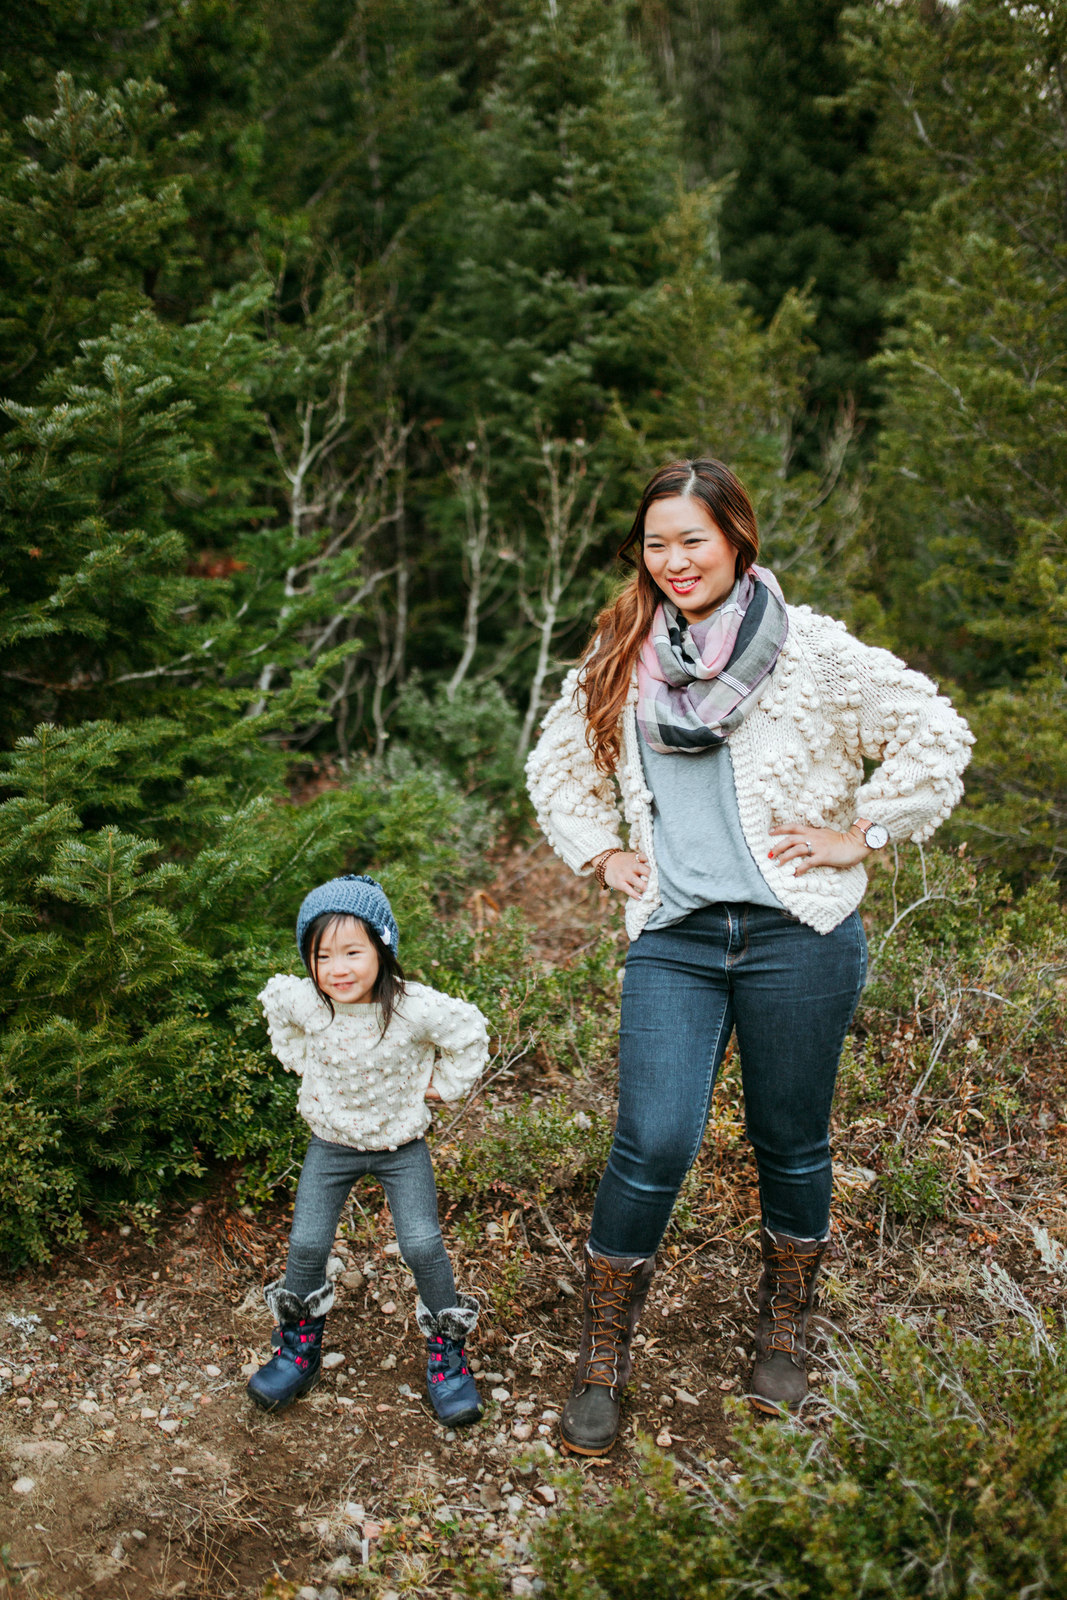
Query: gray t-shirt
x=702, y=856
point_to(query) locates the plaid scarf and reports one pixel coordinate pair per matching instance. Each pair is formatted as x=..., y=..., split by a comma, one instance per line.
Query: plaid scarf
x=697, y=682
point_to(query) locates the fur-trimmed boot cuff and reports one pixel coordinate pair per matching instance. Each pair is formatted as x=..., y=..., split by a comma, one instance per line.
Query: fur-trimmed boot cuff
x=288, y=1308
x=454, y=1322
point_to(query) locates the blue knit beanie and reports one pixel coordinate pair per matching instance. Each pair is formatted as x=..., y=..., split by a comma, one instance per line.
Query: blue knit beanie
x=350, y=896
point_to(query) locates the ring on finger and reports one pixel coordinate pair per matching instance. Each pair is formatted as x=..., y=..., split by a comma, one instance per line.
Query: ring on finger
x=811, y=852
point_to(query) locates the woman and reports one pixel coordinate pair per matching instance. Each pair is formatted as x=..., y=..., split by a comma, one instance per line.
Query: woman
x=736, y=727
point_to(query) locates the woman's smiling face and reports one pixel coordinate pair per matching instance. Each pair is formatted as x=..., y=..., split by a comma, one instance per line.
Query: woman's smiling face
x=688, y=556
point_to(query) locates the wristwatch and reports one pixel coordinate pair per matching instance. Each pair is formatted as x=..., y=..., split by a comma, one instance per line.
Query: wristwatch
x=875, y=834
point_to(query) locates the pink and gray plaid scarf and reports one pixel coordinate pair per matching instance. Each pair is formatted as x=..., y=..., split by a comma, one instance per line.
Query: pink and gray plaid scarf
x=697, y=682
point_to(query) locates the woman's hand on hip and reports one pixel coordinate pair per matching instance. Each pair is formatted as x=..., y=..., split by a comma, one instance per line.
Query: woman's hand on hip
x=817, y=847
x=627, y=870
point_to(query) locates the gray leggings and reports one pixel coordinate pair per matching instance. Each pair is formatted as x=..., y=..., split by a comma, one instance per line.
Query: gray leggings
x=406, y=1175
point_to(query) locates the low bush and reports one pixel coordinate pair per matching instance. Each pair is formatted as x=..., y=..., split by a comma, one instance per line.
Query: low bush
x=528, y=1152
x=132, y=1049
x=940, y=1472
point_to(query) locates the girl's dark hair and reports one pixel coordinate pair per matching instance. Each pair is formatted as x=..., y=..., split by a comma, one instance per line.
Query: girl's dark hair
x=623, y=626
x=389, y=984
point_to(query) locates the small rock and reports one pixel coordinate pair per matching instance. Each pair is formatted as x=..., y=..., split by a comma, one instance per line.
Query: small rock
x=546, y=1494
x=153, y=1369
x=213, y=1372
x=550, y=1416
x=38, y=1449
x=147, y=1413
x=329, y=1593
x=500, y=1394
x=685, y=1398
x=521, y=1585
x=353, y=1279
x=332, y=1360
x=136, y=1533
x=489, y=1495
x=391, y=1249
x=249, y=1368
x=88, y=1408
x=522, y=1431
x=118, y=1553
x=387, y=1363
x=341, y=1568
x=170, y=1424
x=307, y=1593
x=663, y=1439
x=388, y=1308
x=334, y=1267
x=24, y=1486
x=525, y=1408
x=514, y=1504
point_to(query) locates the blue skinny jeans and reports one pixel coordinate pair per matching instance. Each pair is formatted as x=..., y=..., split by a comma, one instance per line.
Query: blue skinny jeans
x=790, y=993
x=406, y=1175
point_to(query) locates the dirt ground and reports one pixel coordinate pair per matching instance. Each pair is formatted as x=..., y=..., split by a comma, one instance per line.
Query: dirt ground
x=138, y=1467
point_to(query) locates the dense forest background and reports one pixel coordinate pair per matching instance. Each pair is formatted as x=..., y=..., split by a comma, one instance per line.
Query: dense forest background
x=336, y=338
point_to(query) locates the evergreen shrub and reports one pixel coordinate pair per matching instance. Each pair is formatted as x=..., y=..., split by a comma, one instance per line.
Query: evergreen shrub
x=132, y=1049
x=531, y=1151
x=939, y=1470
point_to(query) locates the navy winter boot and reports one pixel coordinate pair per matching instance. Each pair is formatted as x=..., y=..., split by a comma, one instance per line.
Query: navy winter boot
x=449, y=1384
x=294, y=1368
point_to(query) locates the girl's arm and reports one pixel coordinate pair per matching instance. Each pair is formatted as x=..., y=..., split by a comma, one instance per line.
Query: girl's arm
x=293, y=1010
x=920, y=742
x=458, y=1032
x=575, y=803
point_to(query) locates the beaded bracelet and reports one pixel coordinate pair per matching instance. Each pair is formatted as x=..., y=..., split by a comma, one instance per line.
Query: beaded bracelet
x=601, y=862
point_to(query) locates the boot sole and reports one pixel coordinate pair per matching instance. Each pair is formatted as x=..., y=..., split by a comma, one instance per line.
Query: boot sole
x=771, y=1408
x=570, y=1449
x=463, y=1420
x=282, y=1405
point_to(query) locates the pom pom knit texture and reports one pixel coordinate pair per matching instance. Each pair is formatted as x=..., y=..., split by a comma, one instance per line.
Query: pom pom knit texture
x=365, y=1091
x=797, y=757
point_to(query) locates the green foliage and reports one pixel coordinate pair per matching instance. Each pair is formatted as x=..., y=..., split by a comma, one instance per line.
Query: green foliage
x=565, y=1014
x=132, y=1049
x=939, y=1471
x=804, y=211
x=530, y=1153
x=474, y=734
x=964, y=1000
x=968, y=491
x=80, y=222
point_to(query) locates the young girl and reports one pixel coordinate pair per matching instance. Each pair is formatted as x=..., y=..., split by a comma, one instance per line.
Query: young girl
x=371, y=1049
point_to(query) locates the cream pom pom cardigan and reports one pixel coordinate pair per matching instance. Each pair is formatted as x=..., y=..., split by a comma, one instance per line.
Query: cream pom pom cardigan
x=797, y=757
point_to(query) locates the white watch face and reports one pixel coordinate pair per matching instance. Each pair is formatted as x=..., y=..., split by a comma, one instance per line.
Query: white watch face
x=877, y=836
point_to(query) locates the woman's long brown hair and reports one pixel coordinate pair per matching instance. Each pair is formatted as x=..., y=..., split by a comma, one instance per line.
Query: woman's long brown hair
x=622, y=627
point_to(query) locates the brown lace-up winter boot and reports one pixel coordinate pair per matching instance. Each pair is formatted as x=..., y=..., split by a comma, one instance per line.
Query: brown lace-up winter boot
x=786, y=1293
x=616, y=1288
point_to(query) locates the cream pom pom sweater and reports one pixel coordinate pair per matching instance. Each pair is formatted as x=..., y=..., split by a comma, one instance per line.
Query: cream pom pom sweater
x=830, y=703
x=364, y=1090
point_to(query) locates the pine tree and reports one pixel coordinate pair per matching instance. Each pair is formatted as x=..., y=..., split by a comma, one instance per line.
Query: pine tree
x=971, y=480
x=805, y=209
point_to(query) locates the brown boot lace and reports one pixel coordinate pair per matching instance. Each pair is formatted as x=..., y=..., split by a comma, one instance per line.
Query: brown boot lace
x=610, y=1293
x=788, y=1297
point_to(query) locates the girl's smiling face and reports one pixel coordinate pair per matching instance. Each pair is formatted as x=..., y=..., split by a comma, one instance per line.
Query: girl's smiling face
x=687, y=555
x=346, y=964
